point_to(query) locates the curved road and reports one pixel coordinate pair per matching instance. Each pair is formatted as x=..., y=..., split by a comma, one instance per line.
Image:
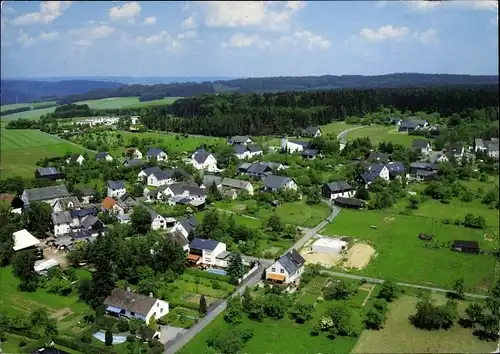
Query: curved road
x=345, y=132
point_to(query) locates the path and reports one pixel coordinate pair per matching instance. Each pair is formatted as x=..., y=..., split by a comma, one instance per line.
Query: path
x=380, y=281
x=345, y=132
x=232, y=212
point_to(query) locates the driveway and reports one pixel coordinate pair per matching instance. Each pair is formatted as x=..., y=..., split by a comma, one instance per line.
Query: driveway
x=169, y=333
x=345, y=132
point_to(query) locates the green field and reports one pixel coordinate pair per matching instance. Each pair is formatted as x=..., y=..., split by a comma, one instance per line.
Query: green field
x=166, y=100
x=379, y=133
x=21, y=149
x=336, y=127
x=402, y=256
x=33, y=114
x=399, y=336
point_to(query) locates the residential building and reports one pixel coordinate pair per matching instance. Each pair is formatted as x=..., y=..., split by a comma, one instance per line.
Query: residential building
x=86, y=195
x=145, y=173
x=424, y=147
x=396, y=170
x=66, y=204
x=62, y=222
x=275, y=183
x=48, y=173
x=133, y=162
x=24, y=240
x=116, y=189
x=238, y=185
x=76, y=158
x=309, y=154
x=247, y=151
x=421, y=171
x=134, y=120
x=160, y=178
x=395, y=121
x=438, y=157
x=333, y=190
x=412, y=124
x=180, y=239
x=209, y=180
x=204, y=252
x=257, y=170
x=455, y=150
x=157, y=154
x=134, y=153
x=103, y=156
x=93, y=121
x=374, y=171
x=352, y=203
x=490, y=147
x=290, y=146
x=185, y=226
x=287, y=269
x=240, y=140
x=124, y=303
x=45, y=194
x=203, y=160
x=157, y=221
x=107, y=204
x=378, y=157
x=312, y=131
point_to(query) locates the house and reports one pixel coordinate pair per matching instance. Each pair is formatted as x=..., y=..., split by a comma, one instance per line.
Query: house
x=131, y=305
x=424, y=147
x=134, y=120
x=145, y=173
x=395, y=121
x=396, y=170
x=490, y=147
x=374, y=171
x=421, y=171
x=378, y=157
x=103, y=156
x=203, y=160
x=258, y=170
x=160, y=178
x=179, y=239
x=275, y=183
x=313, y=131
x=240, y=140
x=455, y=150
x=107, y=204
x=412, y=124
x=185, y=226
x=76, y=158
x=293, y=146
x=134, y=153
x=238, y=185
x=438, y=157
x=209, y=180
x=45, y=194
x=287, y=269
x=116, y=188
x=204, y=252
x=24, y=240
x=77, y=216
x=333, y=190
x=62, y=222
x=466, y=246
x=352, y=203
x=157, y=221
x=133, y=162
x=66, y=204
x=309, y=154
x=86, y=195
x=157, y=154
x=48, y=173
x=247, y=151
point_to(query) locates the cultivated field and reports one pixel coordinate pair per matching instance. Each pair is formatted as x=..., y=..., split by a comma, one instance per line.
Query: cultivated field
x=21, y=149
x=166, y=100
x=33, y=114
x=379, y=133
x=402, y=256
x=399, y=336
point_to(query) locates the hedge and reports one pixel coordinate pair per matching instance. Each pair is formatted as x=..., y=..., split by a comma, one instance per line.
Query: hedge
x=204, y=274
x=79, y=346
x=24, y=333
x=189, y=305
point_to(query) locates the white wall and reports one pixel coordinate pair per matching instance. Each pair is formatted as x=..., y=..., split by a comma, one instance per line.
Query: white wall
x=347, y=194
x=158, y=223
x=384, y=174
x=180, y=228
x=208, y=257
x=159, y=309
x=277, y=268
x=61, y=229
x=116, y=193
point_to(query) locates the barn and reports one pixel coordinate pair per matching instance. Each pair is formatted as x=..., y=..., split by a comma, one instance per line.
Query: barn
x=329, y=245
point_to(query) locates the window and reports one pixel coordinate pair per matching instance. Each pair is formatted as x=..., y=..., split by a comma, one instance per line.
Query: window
x=282, y=271
x=273, y=269
x=157, y=304
x=161, y=310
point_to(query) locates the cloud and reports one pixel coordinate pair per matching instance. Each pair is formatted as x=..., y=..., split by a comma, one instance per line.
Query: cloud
x=384, y=33
x=49, y=11
x=428, y=36
x=189, y=23
x=150, y=20
x=259, y=14
x=85, y=37
x=426, y=5
x=307, y=39
x=49, y=36
x=7, y=10
x=127, y=12
x=187, y=35
x=380, y=4
x=240, y=40
x=100, y=32
x=28, y=41
x=161, y=38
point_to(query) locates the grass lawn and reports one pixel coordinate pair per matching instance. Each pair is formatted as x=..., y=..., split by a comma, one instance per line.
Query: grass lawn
x=11, y=343
x=379, y=133
x=399, y=336
x=21, y=149
x=33, y=114
x=336, y=128
x=110, y=103
x=166, y=100
x=401, y=255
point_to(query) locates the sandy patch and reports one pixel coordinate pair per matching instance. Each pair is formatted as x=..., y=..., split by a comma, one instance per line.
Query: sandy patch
x=359, y=255
x=324, y=259
x=59, y=314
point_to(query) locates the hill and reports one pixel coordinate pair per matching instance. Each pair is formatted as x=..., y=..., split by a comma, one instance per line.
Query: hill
x=288, y=83
x=22, y=91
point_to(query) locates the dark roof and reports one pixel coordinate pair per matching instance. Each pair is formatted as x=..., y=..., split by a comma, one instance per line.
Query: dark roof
x=258, y=168
x=276, y=182
x=150, y=170
x=254, y=148
x=465, y=244
x=176, y=188
x=239, y=149
x=292, y=261
x=208, y=180
x=65, y=202
x=83, y=212
x=395, y=168
x=189, y=224
x=336, y=187
x=353, y=202
x=178, y=238
x=203, y=244
x=74, y=157
x=455, y=148
x=420, y=166
x=133, y=162
x=309, y=152
x=162, y=175
x=310, y=130
x=420, y=144
x=62, y=217
x=87, y=191
x=129, y=301
x=154, y=152
x=411, y=123
x=101, y=155
x=244, y=166
x=116, y=184
x=47, y=171
x=372, y=173
x=425, y=173
x=239, y=139
x=195, y=190
x=45, y=193
x=378, y=157
x=89, y=221
x=201, y=155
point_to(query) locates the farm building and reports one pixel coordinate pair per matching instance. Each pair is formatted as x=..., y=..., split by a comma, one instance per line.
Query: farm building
x=48, y=173
x=23, y=240
x=349, y=202
x=465, y=246
x=329, y=245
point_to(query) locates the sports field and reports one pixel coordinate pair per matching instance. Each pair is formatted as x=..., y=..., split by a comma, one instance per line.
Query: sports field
x=21, y=149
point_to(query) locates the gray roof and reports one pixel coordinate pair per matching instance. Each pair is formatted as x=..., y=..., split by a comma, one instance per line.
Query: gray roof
x=201, y=155
x=478, y=142
x=64, y=202
x=89, y=221
x=62, y=217
x=239, y=149
x=203, y=244
x=176, y=188
x=492, y=146
x=378, y=157
x=178, y=238
x=152, y=213
x=420, y=143
x=87, y=191
x=129, y=301
x=310, y=130
x=254, y=148
x=240, y=139
x=150, y=170
x=235, y=183
x=435, y=157
x=258, y=168
x=116, y=184
x=45, y=193
x=154, y=152
x=271, y=164
x=74, y=157
x=341, y=186
x=101, y=155
x=244, y=166
x=189, y=224
x=223, y=255
x=425, y=173
x=161, y=175
x=195, y=190
x=208, y=180
x=292, y=261
x=47, y=171
x=309, y=152
x=411, y=124
x=276, y=182
x=421, y=166
x=133, y=162
x=395, y=168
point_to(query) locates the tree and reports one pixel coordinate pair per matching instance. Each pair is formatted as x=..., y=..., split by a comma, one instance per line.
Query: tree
x=413, y=202
x=140, y=220
x=449, y=313
x=202, y=309
x=37, y=219
x=235, y=268
x=247, y=300
x=374, y=319
x=362, y=193
x=340, y=290
x=274, y=223
x=234, y=311
x=389, y=291
x=137, y=190
x=39, y=317
x=214, y=193
x=458, y=287
x=23, y=264
x=383, y=200
x=51, y=328
x=108, y=338
x=341, y=322
x=301, y=313
x=474, y=313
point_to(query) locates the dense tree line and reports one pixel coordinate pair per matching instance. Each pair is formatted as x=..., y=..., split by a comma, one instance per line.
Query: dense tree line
x=15, y=110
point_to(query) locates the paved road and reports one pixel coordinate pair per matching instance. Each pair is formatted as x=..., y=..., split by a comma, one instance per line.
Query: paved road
x=345, y=132
x=380, y=281
x=183, y=338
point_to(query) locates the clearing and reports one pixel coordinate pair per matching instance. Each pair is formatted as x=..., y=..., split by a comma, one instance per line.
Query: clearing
x=21, y=149
x=400, y=336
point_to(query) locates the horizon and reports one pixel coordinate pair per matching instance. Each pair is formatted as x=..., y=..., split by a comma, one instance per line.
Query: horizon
x=258, y=39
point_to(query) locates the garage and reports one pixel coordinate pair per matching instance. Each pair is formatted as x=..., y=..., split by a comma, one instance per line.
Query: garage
x=329, y=245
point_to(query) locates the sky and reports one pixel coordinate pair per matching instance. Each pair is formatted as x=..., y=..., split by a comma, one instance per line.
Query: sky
x=247, y=39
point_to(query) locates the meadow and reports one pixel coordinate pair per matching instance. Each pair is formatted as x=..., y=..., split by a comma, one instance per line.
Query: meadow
x=166, y=100
x=402, y=256
x=379, y=133
x=21, y=149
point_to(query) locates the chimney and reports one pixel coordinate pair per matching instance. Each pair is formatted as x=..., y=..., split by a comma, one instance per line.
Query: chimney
x=128, y=288
x=150, y=294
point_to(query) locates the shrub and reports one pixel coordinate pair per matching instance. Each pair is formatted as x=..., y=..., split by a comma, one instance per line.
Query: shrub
x=108, y=338
x=22, y=344
x=130, y=338
x=215, y=284
x=123, y=325
x=86, y=338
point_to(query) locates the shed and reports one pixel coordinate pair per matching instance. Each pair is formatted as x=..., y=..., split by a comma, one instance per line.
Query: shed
x=466, y=246
x=329, y=245
x=24, y=239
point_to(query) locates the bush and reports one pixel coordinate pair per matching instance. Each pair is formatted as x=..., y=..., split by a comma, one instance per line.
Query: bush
x=123, y=325
x=108, y=338
x=215, y=284
x=130, y=338
x=22, y=344
x=86, y=338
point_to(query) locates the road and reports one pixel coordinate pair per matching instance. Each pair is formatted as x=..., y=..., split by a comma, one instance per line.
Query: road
x=380, y=281
x=344, y=133
x=182, y=339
